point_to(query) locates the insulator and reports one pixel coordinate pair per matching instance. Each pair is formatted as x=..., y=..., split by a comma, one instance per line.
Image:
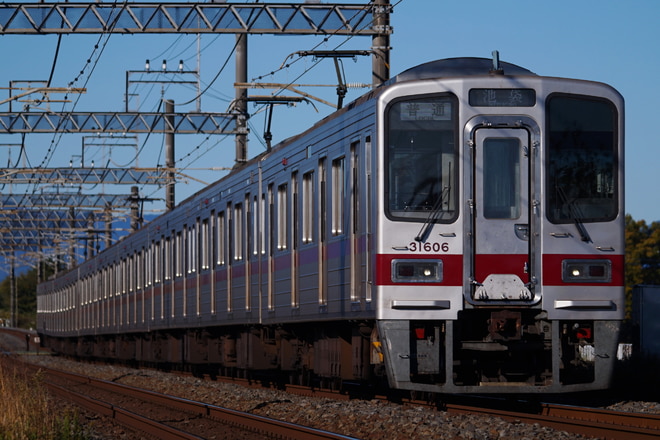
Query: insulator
x=357, y=85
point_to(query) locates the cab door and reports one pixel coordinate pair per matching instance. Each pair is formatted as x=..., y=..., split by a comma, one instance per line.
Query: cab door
x=502, y=263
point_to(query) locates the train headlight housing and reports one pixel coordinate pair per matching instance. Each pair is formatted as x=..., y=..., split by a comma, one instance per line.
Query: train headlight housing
x=586, y=271
x=417, y=271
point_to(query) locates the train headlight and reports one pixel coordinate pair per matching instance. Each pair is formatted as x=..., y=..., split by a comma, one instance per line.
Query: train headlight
x=416, y=271
x=586, y=271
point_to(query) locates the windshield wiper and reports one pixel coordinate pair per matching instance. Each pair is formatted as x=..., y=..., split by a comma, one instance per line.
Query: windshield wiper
x=575, y=215
x=433, y=215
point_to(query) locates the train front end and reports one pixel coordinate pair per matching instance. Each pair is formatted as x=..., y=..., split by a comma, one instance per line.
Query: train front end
x=500, y=230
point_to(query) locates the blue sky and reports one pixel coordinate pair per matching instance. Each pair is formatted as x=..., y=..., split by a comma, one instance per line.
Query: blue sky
x=610, y=41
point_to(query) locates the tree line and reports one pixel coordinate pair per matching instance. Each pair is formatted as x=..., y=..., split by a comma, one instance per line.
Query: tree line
x=642, y=267
x=642, y=255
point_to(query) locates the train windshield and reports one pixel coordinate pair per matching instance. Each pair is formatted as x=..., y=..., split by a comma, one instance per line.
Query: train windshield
x=582, y=160
x=421, y=159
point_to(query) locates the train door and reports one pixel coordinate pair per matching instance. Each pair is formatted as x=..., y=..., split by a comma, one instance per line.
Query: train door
x=354, y=232
x=322, y=233
x=503, y=211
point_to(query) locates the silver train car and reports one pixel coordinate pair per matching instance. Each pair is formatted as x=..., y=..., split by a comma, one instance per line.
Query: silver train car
x=459, y=229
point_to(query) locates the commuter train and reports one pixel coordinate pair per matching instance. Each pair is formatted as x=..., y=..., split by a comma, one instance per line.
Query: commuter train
x=459, y=229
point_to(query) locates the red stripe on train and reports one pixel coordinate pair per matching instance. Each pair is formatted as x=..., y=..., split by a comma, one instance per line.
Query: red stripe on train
x=452, y=269
x=552, y=269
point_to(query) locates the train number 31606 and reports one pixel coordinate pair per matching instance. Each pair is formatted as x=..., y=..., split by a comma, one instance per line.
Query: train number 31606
x=428, y=247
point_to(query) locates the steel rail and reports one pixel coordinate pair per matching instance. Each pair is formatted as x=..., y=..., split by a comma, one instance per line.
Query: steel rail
x=606, y=424
x=122, y=416
x=238, y=419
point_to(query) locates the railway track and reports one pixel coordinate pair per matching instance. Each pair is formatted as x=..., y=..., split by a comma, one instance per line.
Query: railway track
x=591, y=422
x=171, y=418
x=587, y=421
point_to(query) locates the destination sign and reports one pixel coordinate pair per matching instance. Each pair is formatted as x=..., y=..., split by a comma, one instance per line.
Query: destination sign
x=502, y=97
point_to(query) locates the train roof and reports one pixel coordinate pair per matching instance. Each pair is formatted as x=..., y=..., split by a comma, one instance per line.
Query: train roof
x=465, y=66
x=449, y=67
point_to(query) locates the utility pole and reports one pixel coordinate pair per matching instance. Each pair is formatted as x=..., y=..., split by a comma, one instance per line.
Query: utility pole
x=380, y=43
x=240, y=104
x=135, y=208
x=91, y=242
x=12, y=293
x=108, y=225
x=169, y=155
x=71, y=240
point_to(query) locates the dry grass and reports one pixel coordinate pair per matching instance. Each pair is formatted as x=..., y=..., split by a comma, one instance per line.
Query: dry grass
x=27, y=411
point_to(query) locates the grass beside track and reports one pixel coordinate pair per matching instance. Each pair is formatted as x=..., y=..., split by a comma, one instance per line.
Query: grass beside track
x=28, y=412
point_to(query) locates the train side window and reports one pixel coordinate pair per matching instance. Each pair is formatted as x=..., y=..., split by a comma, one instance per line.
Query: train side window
x=220, y=239
x=421, y=153
x=238, y=231
x=250, y=240
x=308, y=207
x=131, y=273
x=142, y=270
x=231, y=225
x=149, y=265
x=582, y=159
x=255, y=220
x=271, y=220
x=295, y=211
x=117, y=273
x=230, y=233
x=282, y=229
x=295, y=218
x=158, y=262
x=338, y=194
x=167, y=258
x=191, y=249
x=106, y=282
x=322, y=210
x=204, y=244
x=262, y=225
x=179, y=253
x=271, y=245
x=139, y=270
x=146, y=267
x=248, y=228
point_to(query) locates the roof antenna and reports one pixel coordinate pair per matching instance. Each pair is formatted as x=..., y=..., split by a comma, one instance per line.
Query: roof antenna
x=497, y=70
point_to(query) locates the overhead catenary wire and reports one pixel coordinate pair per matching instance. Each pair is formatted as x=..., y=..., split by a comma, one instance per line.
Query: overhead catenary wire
x=94, y=58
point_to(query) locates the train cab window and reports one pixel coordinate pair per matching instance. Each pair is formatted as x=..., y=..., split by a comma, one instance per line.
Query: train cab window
x=421, y=158
x=582, y=160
